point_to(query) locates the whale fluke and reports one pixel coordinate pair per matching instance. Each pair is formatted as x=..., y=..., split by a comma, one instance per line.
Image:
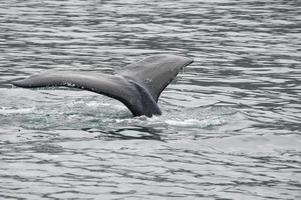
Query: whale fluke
x=138, y=86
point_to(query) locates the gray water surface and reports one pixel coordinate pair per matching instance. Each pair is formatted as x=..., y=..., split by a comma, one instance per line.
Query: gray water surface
x=231, y=121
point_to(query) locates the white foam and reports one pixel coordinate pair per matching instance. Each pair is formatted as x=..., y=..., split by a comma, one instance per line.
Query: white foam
x=187, y=122
x=8, y=111
x=195, y=122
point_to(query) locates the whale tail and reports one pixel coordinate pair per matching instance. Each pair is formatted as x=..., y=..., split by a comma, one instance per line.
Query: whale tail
x=138, y=86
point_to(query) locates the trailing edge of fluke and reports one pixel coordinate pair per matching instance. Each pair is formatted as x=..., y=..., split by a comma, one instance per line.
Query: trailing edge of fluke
x=138, y=86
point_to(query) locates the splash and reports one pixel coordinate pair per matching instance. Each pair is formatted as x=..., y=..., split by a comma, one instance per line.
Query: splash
x=107, y=114
x=11, y=110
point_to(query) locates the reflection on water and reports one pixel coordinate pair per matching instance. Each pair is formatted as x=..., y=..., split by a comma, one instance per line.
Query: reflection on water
x=230, y=126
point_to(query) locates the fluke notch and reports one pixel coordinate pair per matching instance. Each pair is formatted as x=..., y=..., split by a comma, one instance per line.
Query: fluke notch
x=138, y=86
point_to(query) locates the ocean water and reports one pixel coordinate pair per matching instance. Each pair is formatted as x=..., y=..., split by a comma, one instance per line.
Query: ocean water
x=231, y=123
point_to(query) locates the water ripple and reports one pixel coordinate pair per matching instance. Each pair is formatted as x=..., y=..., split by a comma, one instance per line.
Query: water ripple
x=230, y=127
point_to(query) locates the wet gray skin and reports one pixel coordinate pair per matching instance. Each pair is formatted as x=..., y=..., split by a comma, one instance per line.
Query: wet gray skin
x=138, y=86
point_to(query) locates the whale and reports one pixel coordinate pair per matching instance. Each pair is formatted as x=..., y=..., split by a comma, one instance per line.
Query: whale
x=138, y=85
